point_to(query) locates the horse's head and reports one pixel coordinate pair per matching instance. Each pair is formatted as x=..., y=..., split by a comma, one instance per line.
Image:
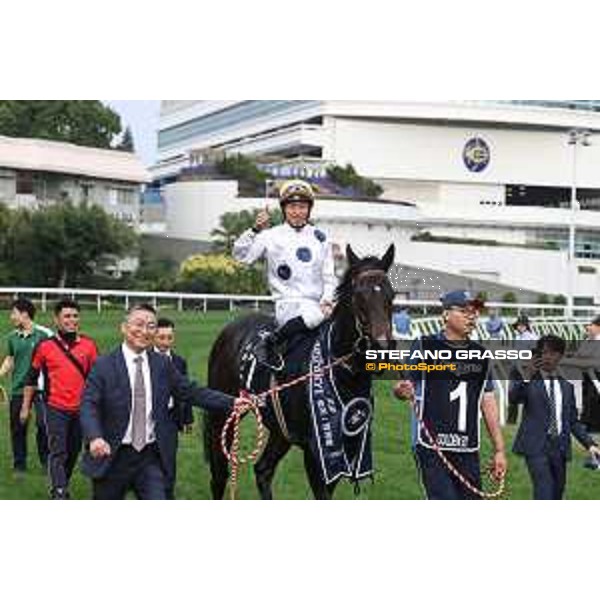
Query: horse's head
x=367, y=291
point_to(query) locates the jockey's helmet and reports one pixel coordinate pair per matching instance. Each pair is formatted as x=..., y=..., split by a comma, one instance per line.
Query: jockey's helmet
x=296, y=190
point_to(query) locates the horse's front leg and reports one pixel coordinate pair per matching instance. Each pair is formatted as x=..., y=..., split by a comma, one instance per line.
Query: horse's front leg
x=277, y=447
x=219, y=468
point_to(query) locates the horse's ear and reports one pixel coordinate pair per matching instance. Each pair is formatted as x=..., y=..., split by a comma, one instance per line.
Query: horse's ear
x=352, y=258
x=388, y=258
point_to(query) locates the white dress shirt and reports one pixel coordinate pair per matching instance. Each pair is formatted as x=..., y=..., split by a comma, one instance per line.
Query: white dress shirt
x=130, y=356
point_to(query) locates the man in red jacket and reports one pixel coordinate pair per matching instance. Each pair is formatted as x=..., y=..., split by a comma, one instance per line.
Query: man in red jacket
x=65, y=360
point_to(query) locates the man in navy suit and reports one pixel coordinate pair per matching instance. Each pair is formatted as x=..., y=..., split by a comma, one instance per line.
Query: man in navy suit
x=164, y=342
x=549, y=420
x=130, y=433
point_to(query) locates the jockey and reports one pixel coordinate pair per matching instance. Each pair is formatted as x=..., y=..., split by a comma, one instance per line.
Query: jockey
x=300, y=265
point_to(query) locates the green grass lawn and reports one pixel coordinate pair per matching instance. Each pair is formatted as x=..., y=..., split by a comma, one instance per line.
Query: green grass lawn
x=395, y=476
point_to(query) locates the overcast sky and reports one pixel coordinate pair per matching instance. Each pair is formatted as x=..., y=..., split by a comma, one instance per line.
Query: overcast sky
x=142, y=117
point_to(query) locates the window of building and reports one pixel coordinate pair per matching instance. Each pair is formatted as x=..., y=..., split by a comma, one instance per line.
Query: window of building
x=24, y=182
x=586, y=270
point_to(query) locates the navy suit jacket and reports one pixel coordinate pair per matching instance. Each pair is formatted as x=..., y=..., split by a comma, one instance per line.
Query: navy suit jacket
x=184, y=414
x=106, y=407
x=532, y=437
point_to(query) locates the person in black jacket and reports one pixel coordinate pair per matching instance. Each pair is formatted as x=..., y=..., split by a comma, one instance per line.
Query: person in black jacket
x=549, y=420
x=164, y=343
x=129, y=430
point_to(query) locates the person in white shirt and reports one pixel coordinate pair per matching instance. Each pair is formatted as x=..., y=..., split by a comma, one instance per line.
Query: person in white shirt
x=300, y=266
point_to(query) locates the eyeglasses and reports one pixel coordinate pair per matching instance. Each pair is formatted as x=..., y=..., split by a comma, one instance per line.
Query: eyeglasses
x=150, y=327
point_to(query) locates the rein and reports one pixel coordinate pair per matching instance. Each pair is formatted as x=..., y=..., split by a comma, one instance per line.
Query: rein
x=497, y=493
x=253, y=403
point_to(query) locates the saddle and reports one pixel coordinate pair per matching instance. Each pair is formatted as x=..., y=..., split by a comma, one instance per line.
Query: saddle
x=256, y=364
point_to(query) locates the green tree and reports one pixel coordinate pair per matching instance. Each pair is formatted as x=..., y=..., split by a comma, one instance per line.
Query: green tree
x=126, y=144
x=543, y=299
x=6, y=223
x=219, y=274
x=155, y=274
x=63, y=245
x=483, y=296
x=509, y=298
x=232, y=225
x=347, y=177
x=251, y=179
x=83, y=122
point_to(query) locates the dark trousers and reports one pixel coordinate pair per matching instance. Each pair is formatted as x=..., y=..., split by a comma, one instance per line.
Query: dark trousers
x=298, y=341
x=64, y=443
x=439, y=482
x=548, y=474
x=513, y=414
x=170, y=481
x=140, y=472
x=18, y=432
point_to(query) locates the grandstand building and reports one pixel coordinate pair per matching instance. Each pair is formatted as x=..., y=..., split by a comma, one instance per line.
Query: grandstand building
x=473, y=190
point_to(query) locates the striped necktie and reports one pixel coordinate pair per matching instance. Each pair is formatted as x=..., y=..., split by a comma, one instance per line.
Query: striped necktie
x=138, y=423
x=553, y=424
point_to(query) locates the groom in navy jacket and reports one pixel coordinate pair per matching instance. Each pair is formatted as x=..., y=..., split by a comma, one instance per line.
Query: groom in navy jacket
x=549, y=420
x=129, y=429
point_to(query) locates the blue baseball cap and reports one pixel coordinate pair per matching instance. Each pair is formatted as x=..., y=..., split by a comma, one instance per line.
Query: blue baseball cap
x=460, y=298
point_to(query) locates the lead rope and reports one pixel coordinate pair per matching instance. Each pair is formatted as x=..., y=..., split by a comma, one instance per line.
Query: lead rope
x=498, y=493
x=252, y=404
x=233, y=421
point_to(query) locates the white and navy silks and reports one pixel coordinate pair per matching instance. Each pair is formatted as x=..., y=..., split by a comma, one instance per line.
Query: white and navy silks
x=300, y=269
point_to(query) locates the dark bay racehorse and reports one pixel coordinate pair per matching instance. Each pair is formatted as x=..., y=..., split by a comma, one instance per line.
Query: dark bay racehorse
x=361, y=319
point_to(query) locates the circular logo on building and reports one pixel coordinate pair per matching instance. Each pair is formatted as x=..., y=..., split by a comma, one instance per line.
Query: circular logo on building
x=476, y=155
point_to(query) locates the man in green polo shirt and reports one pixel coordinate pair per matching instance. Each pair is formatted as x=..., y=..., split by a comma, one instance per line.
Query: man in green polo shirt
x=21, y=343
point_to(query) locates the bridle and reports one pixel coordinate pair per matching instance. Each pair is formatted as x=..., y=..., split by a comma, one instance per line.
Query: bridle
x=363, y=341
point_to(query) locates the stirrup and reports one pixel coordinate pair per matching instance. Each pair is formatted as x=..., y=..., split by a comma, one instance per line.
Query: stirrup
x=279, y=362
x=271, y=358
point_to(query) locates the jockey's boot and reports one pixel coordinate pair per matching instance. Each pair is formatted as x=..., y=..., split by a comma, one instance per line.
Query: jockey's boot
x=276, y=339
x=272, y=347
